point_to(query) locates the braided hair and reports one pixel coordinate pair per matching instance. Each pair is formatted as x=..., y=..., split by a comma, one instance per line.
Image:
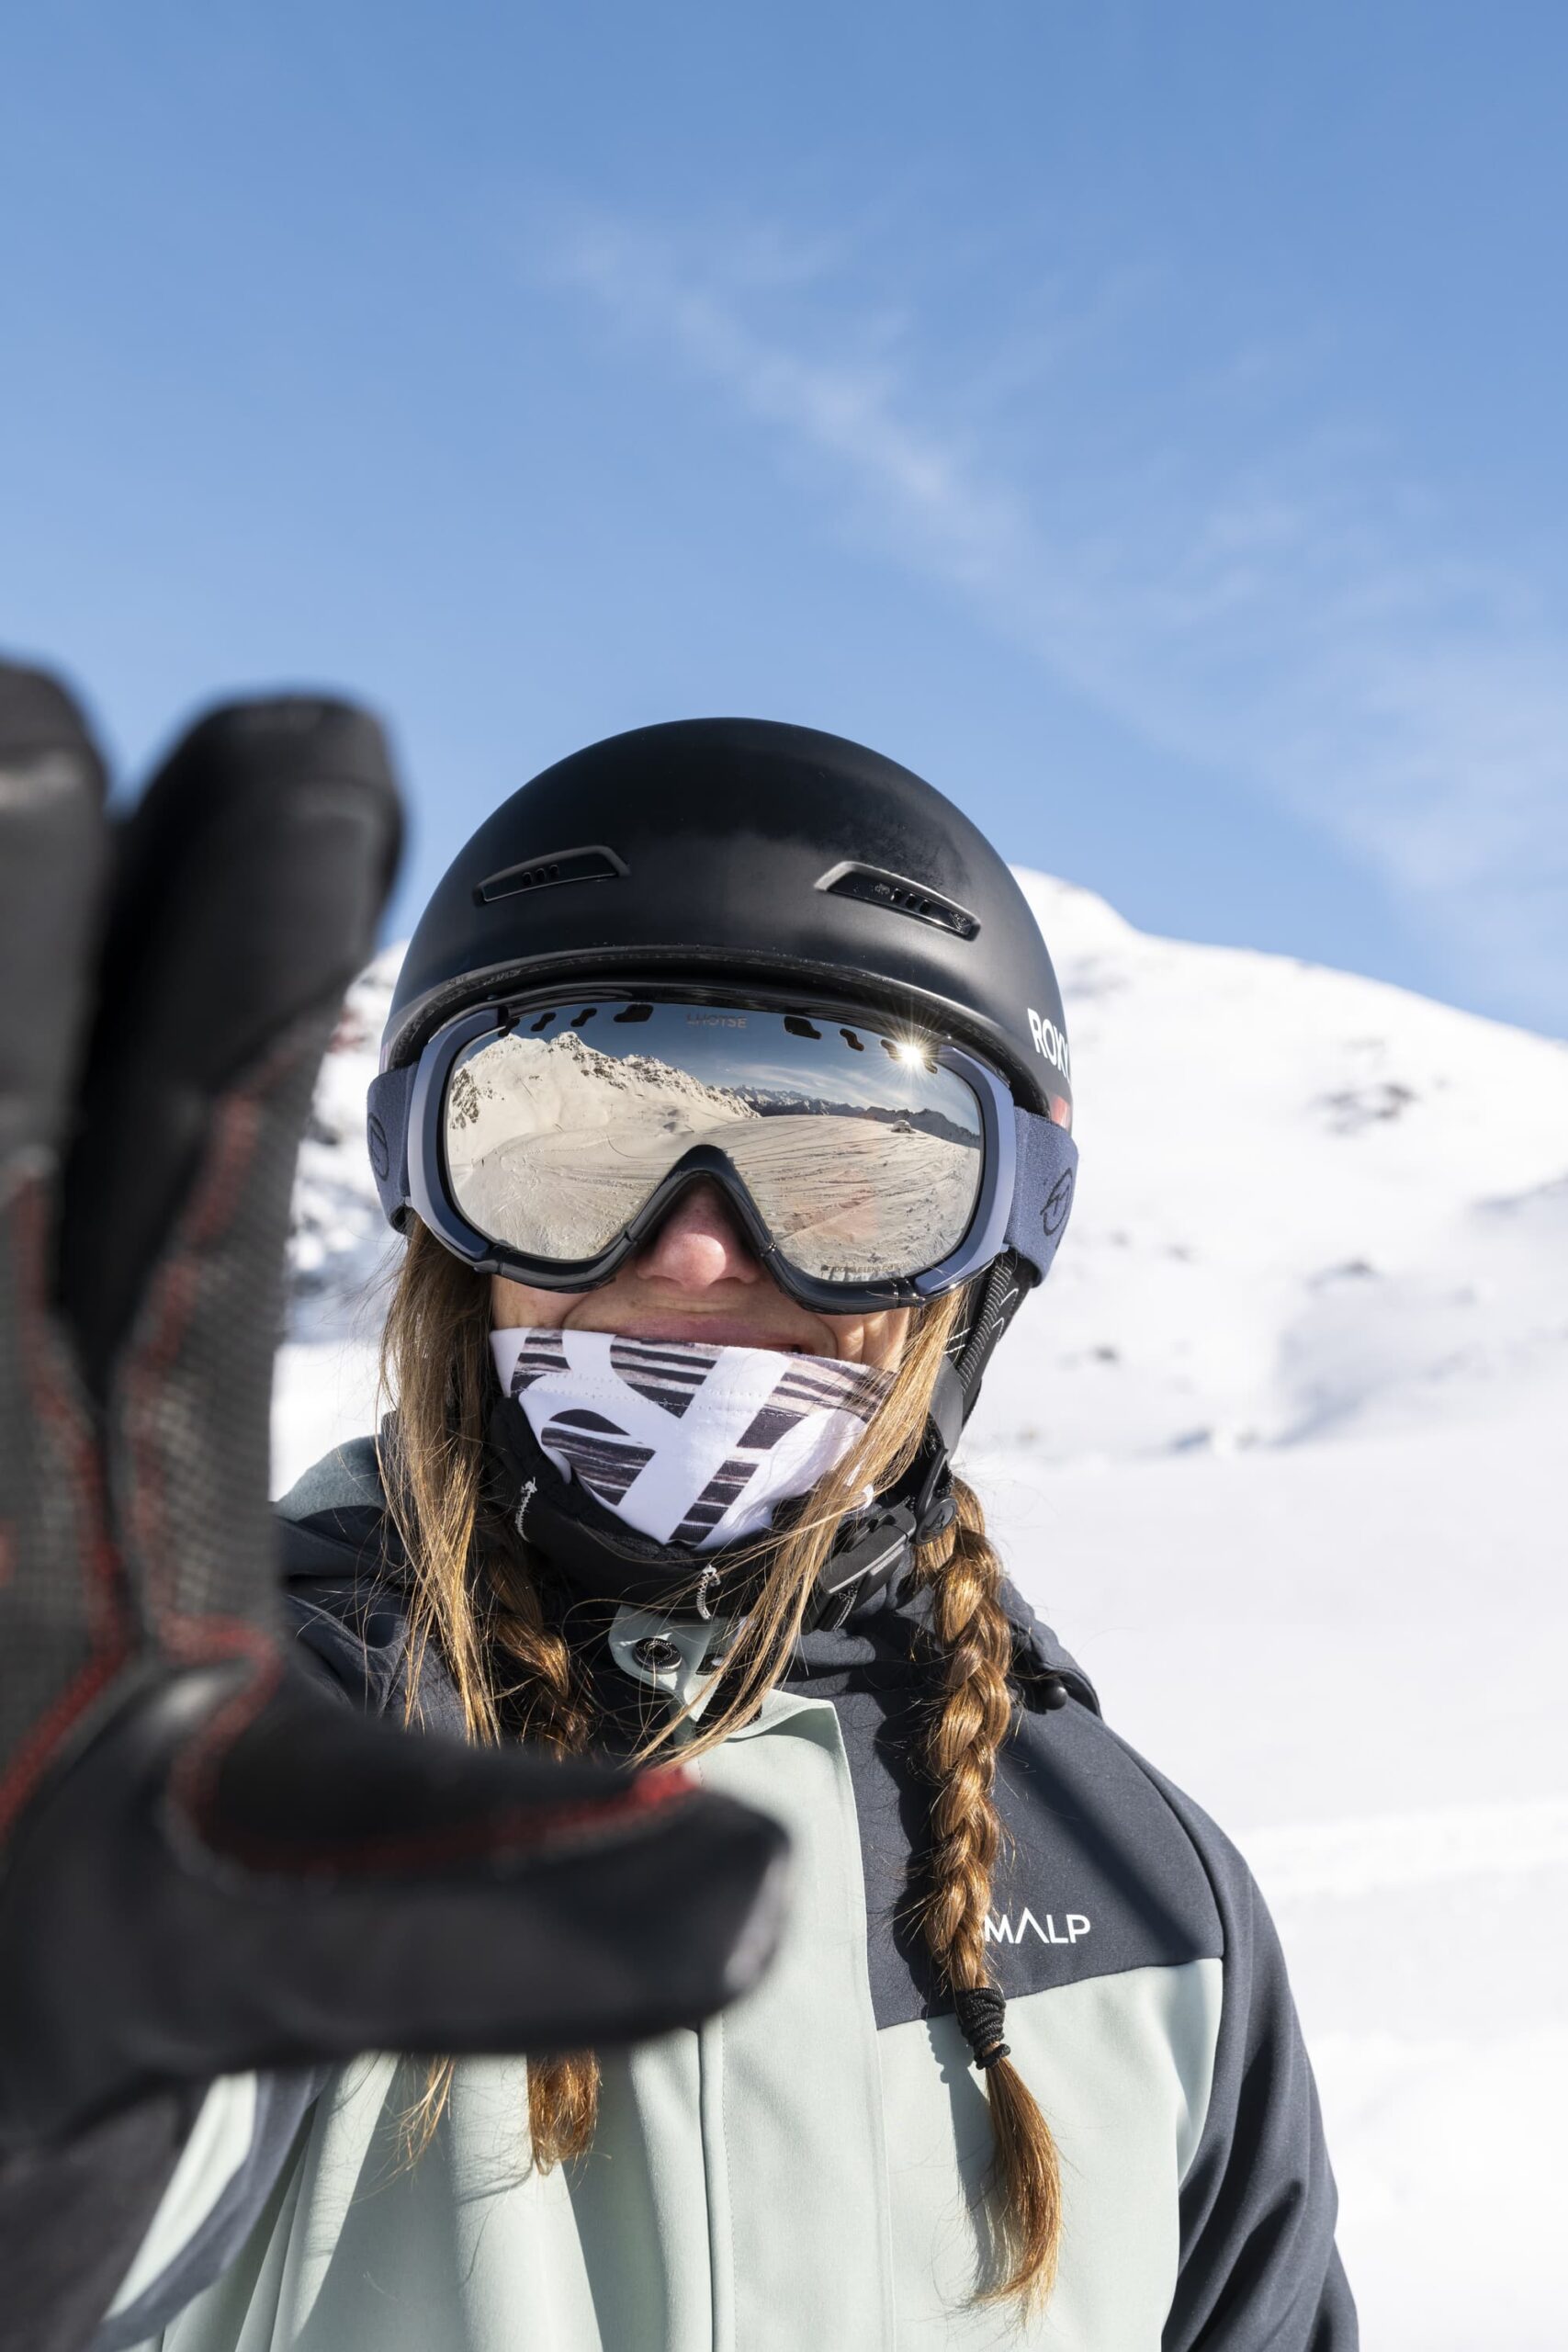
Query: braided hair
x=972, y=1718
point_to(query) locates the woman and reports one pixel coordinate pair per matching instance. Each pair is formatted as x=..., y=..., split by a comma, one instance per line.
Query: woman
x=726, y=1106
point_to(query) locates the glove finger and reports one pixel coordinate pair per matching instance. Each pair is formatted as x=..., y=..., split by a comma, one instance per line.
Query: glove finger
x=60, y=1628
x=51, y=792
x=249, y=883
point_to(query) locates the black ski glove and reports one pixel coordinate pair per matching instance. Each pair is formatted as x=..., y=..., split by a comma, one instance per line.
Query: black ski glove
x=204, y=1865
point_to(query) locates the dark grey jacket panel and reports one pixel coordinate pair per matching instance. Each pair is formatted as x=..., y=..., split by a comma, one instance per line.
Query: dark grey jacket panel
x=343, y=1572
x=283, y=2100
x=1085, y=1833
x=1259, y=2263
x=73, y=2215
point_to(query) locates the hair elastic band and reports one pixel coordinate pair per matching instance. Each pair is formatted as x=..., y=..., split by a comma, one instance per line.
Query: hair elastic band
x=980, y=2010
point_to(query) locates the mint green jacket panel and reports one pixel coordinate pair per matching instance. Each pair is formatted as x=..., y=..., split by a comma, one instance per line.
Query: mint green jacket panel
x=1122, y=2066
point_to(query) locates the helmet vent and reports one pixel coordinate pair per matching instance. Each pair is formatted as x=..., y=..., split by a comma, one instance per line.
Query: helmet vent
x=877, y=888
x=592, y=864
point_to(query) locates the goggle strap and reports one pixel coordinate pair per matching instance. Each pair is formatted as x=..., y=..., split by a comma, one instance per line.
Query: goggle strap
x=1045, y=1170
x=387, y=1102
x=997, y=1299
x=949, y=1408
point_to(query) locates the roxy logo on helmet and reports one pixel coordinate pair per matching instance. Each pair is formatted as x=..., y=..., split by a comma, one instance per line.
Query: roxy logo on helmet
x=1049, y=1041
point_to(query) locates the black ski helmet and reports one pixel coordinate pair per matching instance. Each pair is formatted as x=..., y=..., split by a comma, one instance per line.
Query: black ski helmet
x=745, y=848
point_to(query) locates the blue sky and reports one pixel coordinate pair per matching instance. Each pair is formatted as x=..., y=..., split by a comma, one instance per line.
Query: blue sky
x=1146, y=420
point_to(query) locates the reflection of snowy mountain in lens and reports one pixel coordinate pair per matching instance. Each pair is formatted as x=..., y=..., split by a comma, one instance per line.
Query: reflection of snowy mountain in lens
x=554, y=1145
x=566, y=1083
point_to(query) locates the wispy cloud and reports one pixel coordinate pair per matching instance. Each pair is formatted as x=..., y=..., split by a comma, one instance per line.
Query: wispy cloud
x=1296, y=621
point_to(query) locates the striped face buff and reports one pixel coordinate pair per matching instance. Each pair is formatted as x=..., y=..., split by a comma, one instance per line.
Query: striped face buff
x=690, y=1444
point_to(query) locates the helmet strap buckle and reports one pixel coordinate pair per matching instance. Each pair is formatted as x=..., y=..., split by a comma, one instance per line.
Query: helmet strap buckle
x=866, y=1565
x=883, y=1543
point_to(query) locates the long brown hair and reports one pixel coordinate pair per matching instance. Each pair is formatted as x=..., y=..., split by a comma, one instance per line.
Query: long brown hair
x=515, y=1672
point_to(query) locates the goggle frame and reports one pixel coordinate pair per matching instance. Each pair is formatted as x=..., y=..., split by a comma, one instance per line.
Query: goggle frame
x=431, y=1193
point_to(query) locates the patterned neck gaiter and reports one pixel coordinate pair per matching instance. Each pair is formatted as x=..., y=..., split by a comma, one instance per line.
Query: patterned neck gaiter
x=690, y=1444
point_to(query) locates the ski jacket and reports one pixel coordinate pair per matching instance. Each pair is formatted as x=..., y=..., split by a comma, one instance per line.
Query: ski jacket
x=803, y=2172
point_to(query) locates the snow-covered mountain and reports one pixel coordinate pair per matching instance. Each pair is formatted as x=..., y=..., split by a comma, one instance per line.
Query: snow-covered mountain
x=1308, y=1203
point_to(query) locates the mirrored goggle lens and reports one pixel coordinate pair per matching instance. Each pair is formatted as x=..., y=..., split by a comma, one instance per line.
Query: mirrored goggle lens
x=863, y=1153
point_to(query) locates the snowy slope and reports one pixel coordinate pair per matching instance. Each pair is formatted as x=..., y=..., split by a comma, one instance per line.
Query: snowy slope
x=1309, y=1203
x=1278, y=1453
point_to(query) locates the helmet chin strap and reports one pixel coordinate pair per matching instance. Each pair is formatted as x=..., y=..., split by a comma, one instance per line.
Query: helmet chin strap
x=605, y=1560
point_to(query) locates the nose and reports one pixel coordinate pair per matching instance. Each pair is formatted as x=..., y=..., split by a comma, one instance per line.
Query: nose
x=699, y=1244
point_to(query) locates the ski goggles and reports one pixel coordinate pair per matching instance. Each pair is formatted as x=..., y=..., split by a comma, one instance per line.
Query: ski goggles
x=870, y=1162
